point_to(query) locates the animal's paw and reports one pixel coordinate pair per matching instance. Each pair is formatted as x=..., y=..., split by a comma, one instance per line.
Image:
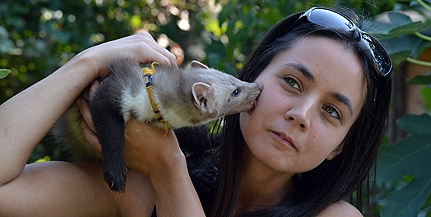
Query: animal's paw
x=116, y=180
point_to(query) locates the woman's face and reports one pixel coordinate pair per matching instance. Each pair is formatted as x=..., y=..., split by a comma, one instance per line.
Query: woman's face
x=312, y=94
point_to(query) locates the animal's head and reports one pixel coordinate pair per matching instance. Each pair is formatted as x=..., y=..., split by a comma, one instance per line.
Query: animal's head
x=223, y=94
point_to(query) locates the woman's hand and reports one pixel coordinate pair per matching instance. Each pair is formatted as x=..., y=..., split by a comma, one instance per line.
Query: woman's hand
x=156, y=153
x=151, y=150
x=141, y=47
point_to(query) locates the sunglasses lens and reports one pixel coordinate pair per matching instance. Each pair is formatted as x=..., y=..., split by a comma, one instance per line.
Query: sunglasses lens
x=332, y=19
x=327, y=18
x=381, y=57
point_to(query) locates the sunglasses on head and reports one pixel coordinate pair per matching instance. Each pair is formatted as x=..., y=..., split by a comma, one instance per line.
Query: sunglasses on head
x=332, y=19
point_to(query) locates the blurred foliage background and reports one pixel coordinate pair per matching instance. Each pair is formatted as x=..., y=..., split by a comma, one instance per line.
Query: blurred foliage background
x=38, y=36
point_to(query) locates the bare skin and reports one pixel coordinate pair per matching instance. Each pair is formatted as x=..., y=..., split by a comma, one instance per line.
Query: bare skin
x=156, y=176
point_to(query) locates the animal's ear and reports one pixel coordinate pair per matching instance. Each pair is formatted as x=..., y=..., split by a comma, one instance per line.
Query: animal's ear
x=197, y=64
x=200, y=94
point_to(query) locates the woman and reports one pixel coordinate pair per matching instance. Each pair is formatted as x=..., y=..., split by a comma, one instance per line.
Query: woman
x=294, y=43
x=310, y=141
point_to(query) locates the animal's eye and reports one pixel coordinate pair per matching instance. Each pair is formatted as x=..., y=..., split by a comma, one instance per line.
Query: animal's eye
x=236, y=92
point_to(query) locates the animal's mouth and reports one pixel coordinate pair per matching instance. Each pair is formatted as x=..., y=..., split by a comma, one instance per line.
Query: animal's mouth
x=254, y=103
x=252, y=106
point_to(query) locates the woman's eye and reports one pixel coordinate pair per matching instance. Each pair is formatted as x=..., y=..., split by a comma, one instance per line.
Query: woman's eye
x=292, y=82
x=332, y=111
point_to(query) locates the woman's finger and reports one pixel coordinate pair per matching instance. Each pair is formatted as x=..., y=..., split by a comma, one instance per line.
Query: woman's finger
x=158, y=53
x=94, y=86
x=85, y=112
x=91, y=136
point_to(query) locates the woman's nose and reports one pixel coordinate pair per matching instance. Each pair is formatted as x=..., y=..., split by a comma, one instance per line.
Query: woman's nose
x=300, y=115
x=299, y=122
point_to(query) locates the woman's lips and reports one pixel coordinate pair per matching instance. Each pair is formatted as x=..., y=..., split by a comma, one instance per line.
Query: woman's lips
x=284, y=139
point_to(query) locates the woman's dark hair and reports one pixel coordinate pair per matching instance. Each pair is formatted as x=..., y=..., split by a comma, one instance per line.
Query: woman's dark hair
x=332, y=180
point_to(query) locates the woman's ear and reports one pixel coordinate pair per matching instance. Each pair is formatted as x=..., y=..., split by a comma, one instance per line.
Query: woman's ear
x=335, y=152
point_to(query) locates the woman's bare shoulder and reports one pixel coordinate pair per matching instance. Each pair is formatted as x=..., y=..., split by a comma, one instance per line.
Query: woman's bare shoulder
x=55, y=188
x=342, y=209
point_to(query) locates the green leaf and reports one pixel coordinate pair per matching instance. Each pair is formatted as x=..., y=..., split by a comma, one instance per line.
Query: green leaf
x=428, y=204
x=403, y=43
x=410, y=28
x=4, y=73
x=399, y=19
x=216, y=52
x=400, y=24
x=426, y=95
x=410, y=156
x=419, y=125
x=408, y=201
x=420, y=80
x=400, y=56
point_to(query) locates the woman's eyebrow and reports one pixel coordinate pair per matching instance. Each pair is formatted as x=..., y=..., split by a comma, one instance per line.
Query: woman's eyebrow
x=301, y=68
x=307, y=74
x=345, y=100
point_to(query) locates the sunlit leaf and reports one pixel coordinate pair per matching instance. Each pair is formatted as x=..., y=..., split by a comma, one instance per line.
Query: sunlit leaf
x=4, y=73
x=136, y=22
x=426, y=95
x=44, y=159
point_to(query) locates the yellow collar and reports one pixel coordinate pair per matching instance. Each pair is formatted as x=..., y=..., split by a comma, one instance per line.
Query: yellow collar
x=147, y=72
